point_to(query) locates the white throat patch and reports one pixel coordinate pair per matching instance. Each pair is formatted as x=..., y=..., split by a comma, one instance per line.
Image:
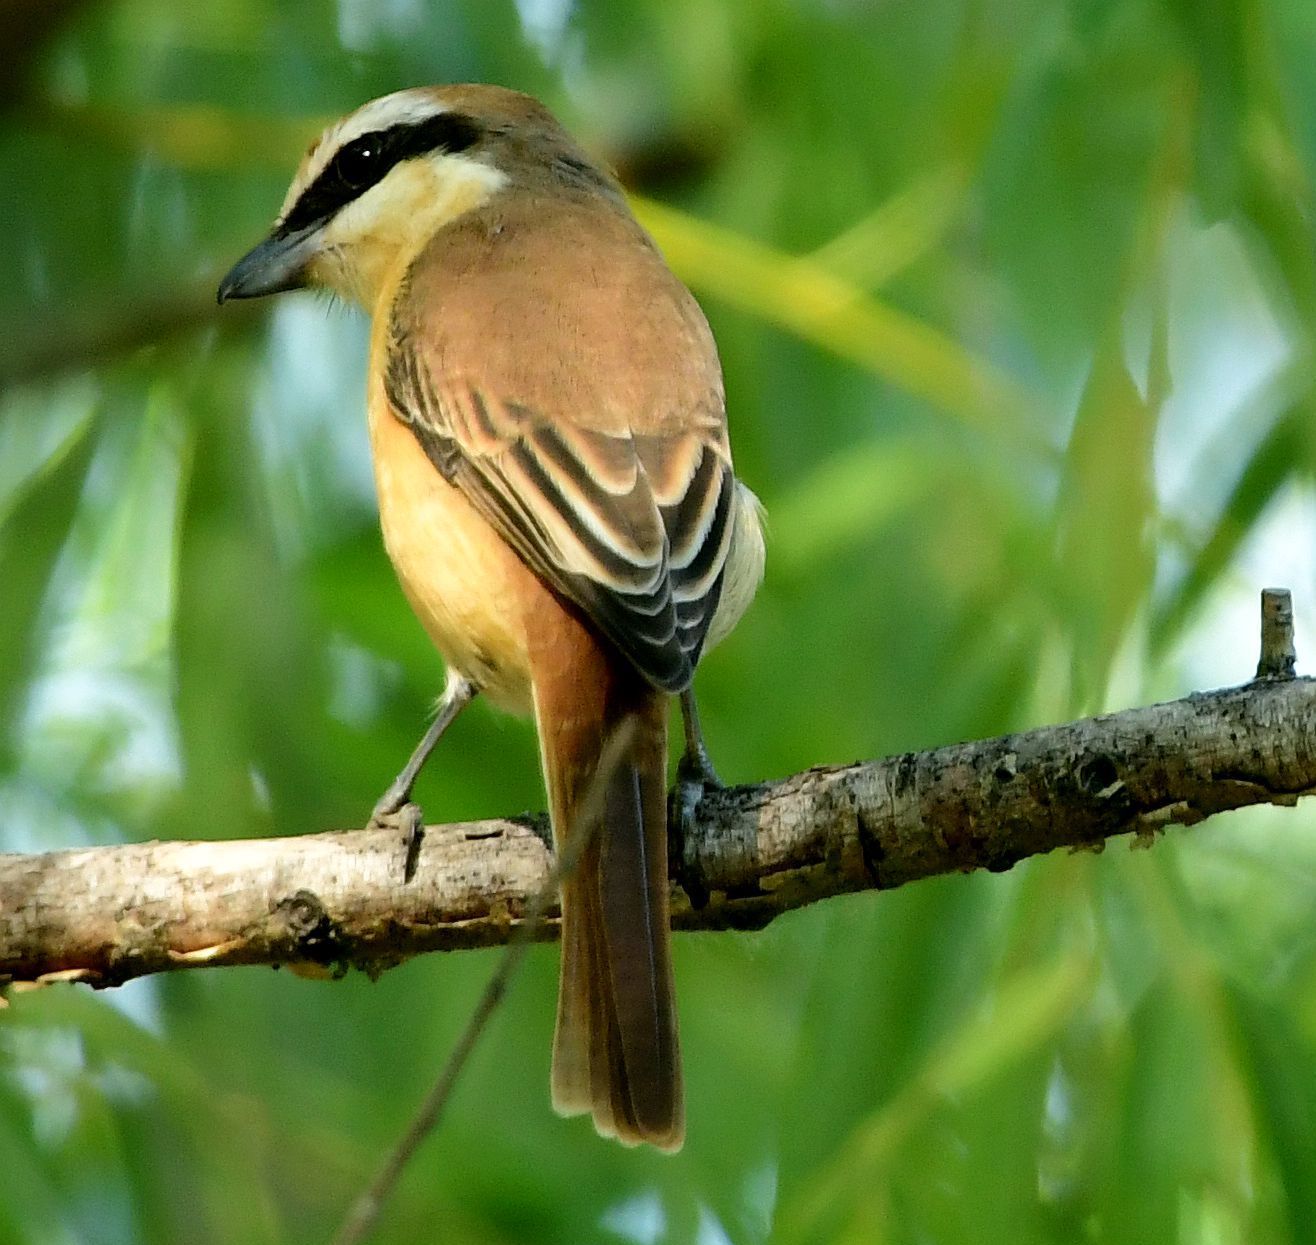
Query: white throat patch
x=386, y=227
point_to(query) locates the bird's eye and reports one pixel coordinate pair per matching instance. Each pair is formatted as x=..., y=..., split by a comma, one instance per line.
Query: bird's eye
x=358, y=164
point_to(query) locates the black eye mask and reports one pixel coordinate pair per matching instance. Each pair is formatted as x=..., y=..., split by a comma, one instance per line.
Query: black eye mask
x=367, y=159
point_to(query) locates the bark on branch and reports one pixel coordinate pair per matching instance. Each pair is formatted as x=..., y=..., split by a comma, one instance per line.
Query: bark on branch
x=107, y=914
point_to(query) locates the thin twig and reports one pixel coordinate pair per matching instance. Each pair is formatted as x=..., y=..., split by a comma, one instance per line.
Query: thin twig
x=365, y=1211
x=1279, y=655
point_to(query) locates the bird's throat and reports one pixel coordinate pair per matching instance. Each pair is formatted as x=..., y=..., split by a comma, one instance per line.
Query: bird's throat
x=373, y=239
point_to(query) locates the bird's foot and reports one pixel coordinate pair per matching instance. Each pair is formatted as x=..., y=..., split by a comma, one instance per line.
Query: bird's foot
x=695, y=778
x=696, y=769
x=395, y=811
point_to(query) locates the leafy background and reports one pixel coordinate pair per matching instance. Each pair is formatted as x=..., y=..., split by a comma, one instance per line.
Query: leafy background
x=1016, y=303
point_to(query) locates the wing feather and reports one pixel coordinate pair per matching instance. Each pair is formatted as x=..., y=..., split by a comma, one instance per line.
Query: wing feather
x=633, y=528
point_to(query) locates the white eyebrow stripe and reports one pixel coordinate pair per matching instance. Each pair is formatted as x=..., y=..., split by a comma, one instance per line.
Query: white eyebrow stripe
x=401, y=108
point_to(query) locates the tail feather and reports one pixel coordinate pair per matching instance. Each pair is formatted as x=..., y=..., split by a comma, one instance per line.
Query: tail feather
x=615, y=1052
x=635, y=925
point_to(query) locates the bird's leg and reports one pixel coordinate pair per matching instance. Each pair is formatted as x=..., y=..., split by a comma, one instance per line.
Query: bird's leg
x=458, y=692
x=694, y=766
x=695, y=776
x=394, y=807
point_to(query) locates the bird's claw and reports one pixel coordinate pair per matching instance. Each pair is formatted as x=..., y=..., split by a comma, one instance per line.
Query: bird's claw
x=400, y=814
x=695, y=778
x=696, y=770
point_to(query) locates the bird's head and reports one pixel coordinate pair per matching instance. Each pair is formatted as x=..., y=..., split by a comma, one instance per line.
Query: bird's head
x=375, y=186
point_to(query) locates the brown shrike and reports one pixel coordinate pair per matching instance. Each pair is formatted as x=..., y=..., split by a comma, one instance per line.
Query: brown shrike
x=556, y=493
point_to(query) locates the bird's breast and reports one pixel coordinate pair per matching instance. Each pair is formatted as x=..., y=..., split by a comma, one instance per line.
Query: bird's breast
x=467, y=587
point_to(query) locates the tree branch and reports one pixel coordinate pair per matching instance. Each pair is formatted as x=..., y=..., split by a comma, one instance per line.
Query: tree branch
x=104, y=915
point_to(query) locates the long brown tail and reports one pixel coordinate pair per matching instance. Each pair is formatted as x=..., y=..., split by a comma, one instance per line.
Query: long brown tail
x=615, y=1051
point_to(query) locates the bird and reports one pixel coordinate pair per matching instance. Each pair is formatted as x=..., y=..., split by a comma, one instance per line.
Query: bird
x=548, y=429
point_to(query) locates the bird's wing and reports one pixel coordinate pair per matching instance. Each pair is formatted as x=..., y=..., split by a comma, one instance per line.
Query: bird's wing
x=633, y=527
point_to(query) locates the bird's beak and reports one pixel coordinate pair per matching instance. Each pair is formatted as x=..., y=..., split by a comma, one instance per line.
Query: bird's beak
x=279, y=263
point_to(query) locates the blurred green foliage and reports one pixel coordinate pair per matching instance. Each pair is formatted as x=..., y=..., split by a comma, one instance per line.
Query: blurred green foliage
x=1016, y=302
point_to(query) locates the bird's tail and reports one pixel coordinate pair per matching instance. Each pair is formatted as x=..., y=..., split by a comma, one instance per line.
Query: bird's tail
x=603, y=734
